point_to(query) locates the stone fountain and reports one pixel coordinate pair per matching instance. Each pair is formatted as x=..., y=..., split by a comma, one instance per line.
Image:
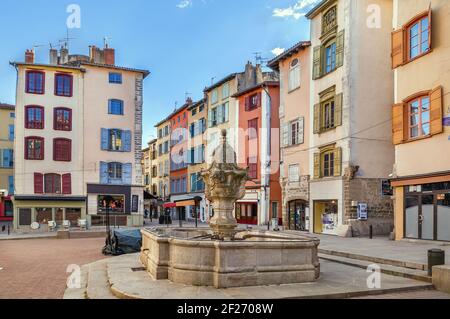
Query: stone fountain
x=221, y=256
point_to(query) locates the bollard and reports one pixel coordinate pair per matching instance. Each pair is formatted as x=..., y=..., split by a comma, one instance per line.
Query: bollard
x=371, y=232
x=436, y=257
x=8, y=230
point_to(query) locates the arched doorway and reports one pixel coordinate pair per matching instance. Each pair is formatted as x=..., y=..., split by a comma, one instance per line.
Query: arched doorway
x=298, y=215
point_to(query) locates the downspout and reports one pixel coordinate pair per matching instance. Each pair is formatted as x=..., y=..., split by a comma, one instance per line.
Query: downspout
x=267, y=164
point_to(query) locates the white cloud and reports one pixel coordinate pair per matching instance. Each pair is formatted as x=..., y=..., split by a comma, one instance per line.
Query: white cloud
x=294, y=11
x=184, y=4
x=278, y=51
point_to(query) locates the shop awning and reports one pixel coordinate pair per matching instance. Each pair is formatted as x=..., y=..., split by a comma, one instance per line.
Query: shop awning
x=170, y=205
x=188, y=202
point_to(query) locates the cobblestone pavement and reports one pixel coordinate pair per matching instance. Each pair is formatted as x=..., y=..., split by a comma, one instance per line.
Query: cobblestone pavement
x=37, y=268
x=431, y=294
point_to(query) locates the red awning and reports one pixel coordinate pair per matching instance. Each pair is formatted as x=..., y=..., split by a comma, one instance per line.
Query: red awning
x=169, y=205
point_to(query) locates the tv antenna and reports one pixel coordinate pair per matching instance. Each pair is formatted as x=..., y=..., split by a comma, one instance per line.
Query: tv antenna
x=186, y=95
x=259, y=59
x=212, y=80
x=106, y=41
x=66, y=41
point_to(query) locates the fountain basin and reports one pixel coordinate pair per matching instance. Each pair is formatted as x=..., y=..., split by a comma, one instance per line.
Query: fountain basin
x=256, y=258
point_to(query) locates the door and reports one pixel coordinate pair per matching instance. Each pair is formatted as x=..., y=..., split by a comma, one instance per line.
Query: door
x=420, y=216
x=443, y=217
x=25, y=217
x=426, y=218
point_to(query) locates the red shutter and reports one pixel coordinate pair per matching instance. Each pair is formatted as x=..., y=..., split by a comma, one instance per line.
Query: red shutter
x=38, y=183
x=259, y=99
x=247, y=103
x=67, y=184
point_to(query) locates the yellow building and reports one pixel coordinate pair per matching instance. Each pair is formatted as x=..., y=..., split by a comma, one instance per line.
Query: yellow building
x=162, y=161
x=148, y=171
x=421, y=119
x=7, y=116
x=197, y=122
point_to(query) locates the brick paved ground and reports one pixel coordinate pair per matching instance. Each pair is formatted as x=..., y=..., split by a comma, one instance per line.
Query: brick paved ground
x=37, y=268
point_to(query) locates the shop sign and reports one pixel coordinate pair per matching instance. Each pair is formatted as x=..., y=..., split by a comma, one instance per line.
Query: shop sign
x=446, y=121
x=386, y=188
x=362, y=211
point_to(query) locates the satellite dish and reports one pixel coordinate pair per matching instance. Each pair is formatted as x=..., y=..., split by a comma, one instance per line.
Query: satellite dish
x=35, y=226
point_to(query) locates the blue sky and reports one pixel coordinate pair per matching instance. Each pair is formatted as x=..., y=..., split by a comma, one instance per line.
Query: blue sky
x=184, y=43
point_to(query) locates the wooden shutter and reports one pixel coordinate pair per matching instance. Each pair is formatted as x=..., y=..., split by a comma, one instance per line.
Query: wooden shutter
x=436, y=111
x=226, y=112
x=340, y=48
x=338, y=110
x=285, y=136
x=104, y=176
x=316, y=118
x=38, y=183
x=105, y=139
x=247, y=103
x=398, y=123
x=127, y=174
x=316, y=62
x=337, y=162
x=430, y=28
x=317, y=166
x=126, y=136
x=259, y=99
x=67, y=184
x=398, y=48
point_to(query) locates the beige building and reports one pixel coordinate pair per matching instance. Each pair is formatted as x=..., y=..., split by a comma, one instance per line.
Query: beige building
x=162, y=161
x=80, y=120
x=293, y=67
x=149, y=168
x=421, y=119
x=7, y=116
x=351, y=94
x=197, y=123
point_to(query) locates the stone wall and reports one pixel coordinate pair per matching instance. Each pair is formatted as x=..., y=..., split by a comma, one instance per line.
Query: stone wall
x=293, y=191
x=380, y=208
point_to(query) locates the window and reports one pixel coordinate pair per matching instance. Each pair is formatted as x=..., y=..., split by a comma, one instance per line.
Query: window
x=294, y=75
x=116, y=140
x=115, y=170
x=328, y=162
x=328, y=113
x=412, y=40
x=252, y=102
x=52, y=184
x=34, y=148
x=295, y=127
x=12, y=115
x=11, y=132
x=329, y=20
x=62, y=150
x=117, y=205
x=6, y=158
x=197, y=184
x=294, y=175
x=62, y=119
x=419, y=117
x=253, y=129
x=225, y=91
x=419, y=38
x=252, y=167
x=63, y=85
x=194, y=111
x=330, y=58
x=275, y=210
x=201, y=108
x=35, y=82
x=115, y=78
x=214, y=96
x=34, y=117
x=115, y=107
x=219, y=115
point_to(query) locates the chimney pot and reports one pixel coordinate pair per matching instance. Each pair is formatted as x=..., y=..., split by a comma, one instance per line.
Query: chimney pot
x=29, y=56
x=110, y=56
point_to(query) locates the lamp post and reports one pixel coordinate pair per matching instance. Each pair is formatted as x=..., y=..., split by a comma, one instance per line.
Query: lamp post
x=107, y=202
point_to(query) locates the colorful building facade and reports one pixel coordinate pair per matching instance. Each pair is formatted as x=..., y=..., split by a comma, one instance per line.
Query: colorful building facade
x=7, y=135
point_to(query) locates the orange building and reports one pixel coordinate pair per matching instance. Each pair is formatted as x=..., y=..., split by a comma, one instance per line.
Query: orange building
x=258, y=149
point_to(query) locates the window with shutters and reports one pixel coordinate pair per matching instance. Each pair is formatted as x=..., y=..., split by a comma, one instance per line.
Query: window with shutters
x=225, y=91
x=34, y=117
x=328, y=162
x=34, y=148
x=329, y=56
x=219, y=115
x=412, y=40
x=252, y=102
x=418, y=116
x=35, y=82
x=252, y=163
x=52, y=184
x=63, y=85
x=294, y=75
x=62, y=119
x=328, y=113
x=116, y=140
x=115, y=171
x=214, y=97
x=62, y=150
x=253, y=129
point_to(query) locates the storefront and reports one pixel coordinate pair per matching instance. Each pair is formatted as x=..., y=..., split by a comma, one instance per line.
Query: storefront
x=6, y=209
x=426, y=212
x=298, y=215
x=325, y=217
x=247, y=213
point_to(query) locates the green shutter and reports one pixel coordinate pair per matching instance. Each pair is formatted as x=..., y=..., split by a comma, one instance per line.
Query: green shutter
x=338, y=110
x=316, y=119
x=337, y=162
x=316, y=165
x=316, y=62
x=340, y=49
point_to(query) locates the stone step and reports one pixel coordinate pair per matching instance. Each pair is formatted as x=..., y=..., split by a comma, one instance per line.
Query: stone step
x=79, y=293
x=376, y=260
x=387, y=269
x=98, y=286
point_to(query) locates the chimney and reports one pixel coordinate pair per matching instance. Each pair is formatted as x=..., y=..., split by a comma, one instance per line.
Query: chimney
x=53, y=57
x=64, y=56
x=110, y=56
x=29, y=56
x=259, y=74
x=96, y=55
x=189, y=101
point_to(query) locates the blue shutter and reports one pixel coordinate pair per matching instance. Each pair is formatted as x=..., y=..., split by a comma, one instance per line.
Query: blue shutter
x=226, y=112
x=11, y=185
x=220, y=114
x=105, y=139
x=11, y=132
x=104, y=176
x=127, y=171
x=126, y=135
x=110, y=106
